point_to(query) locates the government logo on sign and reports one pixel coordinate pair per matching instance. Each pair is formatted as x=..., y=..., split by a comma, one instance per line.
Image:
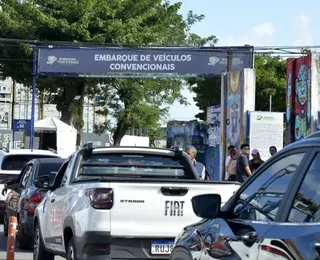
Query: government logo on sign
x=51, y=59
x=213, y=60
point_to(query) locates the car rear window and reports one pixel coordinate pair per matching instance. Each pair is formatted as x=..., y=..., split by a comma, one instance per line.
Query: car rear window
x=135, y=165
x=50, y=169
x=16, y=162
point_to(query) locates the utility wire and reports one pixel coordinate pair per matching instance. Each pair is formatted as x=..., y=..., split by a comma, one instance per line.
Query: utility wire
x=94, y=44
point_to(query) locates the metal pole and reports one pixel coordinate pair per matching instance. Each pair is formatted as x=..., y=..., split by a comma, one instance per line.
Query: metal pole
x=34, y=71
x=88, y=116
x=12, y=109
x=270, y=103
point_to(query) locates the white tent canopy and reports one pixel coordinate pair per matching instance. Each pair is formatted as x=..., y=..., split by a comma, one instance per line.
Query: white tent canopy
x=66, y=134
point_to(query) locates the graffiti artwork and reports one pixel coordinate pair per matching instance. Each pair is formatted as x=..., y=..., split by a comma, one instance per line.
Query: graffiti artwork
x=233, y=109
x=298, y=98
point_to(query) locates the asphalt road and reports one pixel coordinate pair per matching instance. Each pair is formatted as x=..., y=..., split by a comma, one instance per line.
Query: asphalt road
x=19, y=255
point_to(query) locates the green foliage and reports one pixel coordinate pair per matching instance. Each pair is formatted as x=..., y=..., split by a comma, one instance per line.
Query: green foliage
x=270, y=80
x=138, y=103
x=131, y=103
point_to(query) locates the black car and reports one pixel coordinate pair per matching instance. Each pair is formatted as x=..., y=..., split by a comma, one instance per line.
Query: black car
x=23, y=200
x=275, y=214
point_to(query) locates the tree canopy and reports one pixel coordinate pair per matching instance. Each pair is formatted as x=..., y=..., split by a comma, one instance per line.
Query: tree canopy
x=131, y=102
x=270, y=80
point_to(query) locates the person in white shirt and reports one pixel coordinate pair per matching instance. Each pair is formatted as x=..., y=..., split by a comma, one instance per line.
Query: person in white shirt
x=228, y=158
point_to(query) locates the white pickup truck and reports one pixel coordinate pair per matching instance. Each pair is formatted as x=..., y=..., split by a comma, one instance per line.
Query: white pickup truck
x=119, y=203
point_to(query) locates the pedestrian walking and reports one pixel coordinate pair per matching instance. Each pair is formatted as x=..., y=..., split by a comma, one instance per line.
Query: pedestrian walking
x=256, y=160
x=200, y=168
x=243, y=169
x=230, y=148
x=232, y=166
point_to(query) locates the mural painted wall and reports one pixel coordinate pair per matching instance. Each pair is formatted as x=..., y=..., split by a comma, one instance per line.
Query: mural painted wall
x=298, y=99
x=233, y=108
x=238, y=89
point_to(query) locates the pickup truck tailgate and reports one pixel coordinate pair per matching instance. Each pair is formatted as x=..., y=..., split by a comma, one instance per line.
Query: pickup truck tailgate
x=158, y=209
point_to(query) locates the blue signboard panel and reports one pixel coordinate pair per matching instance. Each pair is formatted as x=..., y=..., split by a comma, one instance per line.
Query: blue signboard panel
x=21, y=125
x=175, y=61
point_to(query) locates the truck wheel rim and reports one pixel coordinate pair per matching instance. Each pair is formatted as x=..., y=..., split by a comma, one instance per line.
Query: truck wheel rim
x=36, y=245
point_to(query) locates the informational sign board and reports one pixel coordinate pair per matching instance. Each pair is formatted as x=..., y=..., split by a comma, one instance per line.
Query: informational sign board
x=266, y=129
x=21, y=125
x=99, y=61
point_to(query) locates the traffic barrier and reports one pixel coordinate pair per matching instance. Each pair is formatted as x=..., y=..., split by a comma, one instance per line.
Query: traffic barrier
x=11, y=238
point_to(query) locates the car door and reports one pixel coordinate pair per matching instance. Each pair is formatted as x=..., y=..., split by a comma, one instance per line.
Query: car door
x=56, y=207
x=50, y=217
x=15, y=196
x=60, y=196
x=12, y=194
x=297, y=235
x=253, y=210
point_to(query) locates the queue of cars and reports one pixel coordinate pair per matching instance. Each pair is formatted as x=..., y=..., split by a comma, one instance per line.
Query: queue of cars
x=11, y=164
x=131, y=203
x=102, y=200
x=22, y=201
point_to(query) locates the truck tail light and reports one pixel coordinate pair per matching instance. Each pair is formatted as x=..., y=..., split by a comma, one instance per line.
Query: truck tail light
x=33, y=203
x=100, y=198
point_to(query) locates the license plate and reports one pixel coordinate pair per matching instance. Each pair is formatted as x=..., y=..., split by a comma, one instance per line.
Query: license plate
x=161, y=247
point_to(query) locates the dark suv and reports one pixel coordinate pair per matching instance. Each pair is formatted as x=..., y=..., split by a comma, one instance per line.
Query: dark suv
x=275, y=214
x=23, y=200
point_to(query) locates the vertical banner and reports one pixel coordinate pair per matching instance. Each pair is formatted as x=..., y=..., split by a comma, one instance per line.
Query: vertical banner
x=290, y=98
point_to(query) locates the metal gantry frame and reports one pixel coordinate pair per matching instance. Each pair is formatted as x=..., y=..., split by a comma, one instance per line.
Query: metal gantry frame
x=229, y=52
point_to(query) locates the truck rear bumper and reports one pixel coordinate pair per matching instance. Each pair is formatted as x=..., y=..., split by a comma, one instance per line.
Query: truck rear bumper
x=134, y=248
x=100, y=245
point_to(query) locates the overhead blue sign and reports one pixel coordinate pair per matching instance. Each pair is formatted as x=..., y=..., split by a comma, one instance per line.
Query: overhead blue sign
x=21, y=125
x=98, y=61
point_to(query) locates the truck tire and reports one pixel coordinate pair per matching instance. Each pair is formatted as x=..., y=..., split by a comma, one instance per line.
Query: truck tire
x=71, y=250
x=39, y=252
x=24, y=241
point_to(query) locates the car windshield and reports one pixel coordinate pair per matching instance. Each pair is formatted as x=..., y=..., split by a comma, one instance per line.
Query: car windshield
x=142, y=165
x=16, y=162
